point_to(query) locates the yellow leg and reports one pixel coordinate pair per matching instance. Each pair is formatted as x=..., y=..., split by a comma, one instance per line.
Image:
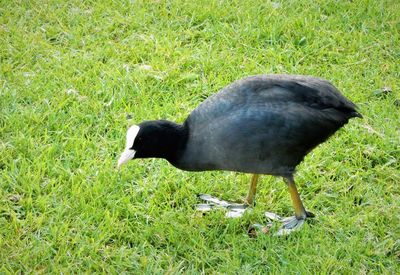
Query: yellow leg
x=252, y=190
x=299, y=210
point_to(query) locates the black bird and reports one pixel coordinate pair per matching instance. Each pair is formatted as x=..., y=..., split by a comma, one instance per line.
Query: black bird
x=264, y=124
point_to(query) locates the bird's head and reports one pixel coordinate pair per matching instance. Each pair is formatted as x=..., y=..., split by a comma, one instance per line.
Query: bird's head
x=152, y=139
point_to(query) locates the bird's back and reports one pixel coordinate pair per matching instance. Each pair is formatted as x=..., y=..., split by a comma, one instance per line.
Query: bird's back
x=264, y=124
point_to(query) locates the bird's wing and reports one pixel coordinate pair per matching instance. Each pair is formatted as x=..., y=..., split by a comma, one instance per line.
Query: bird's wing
x=272, y=90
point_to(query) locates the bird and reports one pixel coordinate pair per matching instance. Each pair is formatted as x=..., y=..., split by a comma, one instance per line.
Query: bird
x=261, y=125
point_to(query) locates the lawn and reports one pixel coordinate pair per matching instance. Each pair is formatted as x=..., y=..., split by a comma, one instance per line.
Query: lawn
x=75, y=74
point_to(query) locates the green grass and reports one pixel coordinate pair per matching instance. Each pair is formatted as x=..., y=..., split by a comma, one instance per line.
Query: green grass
x=70, y=72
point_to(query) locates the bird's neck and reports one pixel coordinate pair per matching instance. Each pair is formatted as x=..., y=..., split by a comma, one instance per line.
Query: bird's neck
x=173, y=142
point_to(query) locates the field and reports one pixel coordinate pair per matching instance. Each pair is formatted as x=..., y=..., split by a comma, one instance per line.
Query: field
x=75, y=74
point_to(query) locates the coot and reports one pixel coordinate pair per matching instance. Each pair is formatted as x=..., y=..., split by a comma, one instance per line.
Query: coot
x=262, y=124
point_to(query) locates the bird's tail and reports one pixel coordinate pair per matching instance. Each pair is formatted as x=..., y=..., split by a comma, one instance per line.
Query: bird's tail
x=356, y=114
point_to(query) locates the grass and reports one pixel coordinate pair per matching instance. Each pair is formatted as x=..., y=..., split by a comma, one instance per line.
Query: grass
x=72, y=71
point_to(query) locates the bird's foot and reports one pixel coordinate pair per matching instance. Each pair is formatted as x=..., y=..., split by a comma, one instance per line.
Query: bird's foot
x=289, y=224
x=235, y=210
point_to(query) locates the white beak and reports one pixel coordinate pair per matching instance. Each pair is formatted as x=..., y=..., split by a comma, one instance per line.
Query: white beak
x=125, y=156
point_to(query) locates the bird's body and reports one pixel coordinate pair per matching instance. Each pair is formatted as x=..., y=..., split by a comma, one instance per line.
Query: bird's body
x=262, y=124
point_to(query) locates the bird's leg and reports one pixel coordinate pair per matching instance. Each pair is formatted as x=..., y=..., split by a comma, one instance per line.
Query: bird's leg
x=291, y=224
x=234, y=209
x=299, y=210
x=252, y=190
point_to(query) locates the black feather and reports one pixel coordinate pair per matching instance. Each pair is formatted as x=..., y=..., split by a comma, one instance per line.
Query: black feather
x=262, y=124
